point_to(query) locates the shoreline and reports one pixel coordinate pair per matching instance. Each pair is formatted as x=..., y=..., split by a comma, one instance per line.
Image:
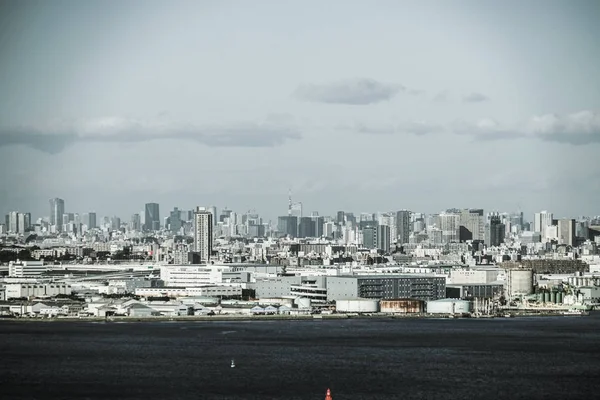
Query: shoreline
x=238, y=318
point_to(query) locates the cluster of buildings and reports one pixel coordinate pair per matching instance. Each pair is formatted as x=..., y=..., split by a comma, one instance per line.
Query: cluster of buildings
x=200, y=261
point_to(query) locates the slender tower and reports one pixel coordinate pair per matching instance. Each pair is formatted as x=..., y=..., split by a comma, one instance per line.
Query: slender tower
x=289, y=202
x=328, y=395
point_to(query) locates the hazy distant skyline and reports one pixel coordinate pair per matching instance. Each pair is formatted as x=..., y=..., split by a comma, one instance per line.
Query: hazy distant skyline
x=354, y=105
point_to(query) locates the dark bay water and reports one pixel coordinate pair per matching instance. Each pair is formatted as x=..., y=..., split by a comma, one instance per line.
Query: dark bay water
x=520, y=358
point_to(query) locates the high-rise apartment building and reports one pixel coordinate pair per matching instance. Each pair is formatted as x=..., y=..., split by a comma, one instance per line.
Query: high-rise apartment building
x=57, y=209
x=152, y=217
x=203, y=236
x=403, y=226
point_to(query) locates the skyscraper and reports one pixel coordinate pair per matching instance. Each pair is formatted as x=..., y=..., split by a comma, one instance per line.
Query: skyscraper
x=472, y=225
x=135, y=223
x=496, y=230
x=152, y=217
x=403, y=226
x=542, y=220
x=288, y=225
x=13, y=222
x=383, y=238
x=566, y=231
x=203, y=236
x=57, y=209
x=175, y=220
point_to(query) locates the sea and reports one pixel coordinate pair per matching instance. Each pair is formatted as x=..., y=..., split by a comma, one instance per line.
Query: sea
x=501, y=358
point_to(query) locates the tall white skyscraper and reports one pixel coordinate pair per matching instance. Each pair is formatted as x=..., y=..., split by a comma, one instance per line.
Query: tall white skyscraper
x=203, y=237
x=542, y=220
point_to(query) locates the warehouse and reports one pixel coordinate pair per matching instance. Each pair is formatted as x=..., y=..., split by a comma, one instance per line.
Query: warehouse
x=422, y=286
x=475, y=291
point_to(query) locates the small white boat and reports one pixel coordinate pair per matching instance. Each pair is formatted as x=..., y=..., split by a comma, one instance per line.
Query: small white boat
x=232, y=364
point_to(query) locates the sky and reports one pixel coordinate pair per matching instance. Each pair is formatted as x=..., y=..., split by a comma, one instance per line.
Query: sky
x=361, y=106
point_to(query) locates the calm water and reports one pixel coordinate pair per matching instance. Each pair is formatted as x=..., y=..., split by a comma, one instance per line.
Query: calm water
x=556, y=358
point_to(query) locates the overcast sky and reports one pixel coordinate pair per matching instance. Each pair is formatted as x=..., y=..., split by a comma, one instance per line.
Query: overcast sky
x=354, y=105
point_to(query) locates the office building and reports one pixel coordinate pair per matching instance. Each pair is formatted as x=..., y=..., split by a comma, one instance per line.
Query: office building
x=566, y=232
x=306, y=228
x=203, y=235
x=403, y=226
x=89, y=220
x=288, y=225
x=495, y=231
x=450, y=227
x=472, y=225
x=57, y=209
x=135, y=224
x=152, y=217
x=12, y=222
x=175, y=220
x=369, y=237
x=383, y=238
x=542, y=220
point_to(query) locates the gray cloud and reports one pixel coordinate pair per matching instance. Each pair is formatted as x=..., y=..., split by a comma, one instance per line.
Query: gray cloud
x=484, y=130
x=441, y=97
x=353, y=91
x=54, y=138
x=475, y=98
x=418, y=128
x=578, y=128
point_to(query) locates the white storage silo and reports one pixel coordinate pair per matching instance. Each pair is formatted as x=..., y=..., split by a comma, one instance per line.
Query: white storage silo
x=357, y=305
x=448, y=306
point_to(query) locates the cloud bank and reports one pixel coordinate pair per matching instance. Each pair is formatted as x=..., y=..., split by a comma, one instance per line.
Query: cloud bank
x=55, y=137
x=352, y=91
x=580, y=128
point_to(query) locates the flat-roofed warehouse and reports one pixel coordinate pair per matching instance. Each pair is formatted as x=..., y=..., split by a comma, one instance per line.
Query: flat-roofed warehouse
x=420, y=286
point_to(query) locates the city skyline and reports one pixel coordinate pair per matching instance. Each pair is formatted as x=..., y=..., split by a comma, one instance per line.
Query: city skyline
x=356, y=106
x=306, y=212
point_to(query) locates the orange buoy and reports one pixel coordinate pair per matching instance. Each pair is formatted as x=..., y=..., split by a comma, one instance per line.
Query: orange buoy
x=328, y=395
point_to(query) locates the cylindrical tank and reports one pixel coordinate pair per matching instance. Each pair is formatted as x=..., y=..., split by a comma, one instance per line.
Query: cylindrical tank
x=403, y=306
x=553, y=296
x=546, y=296
x=357, y=305
x=303, y=302
x=519, y=282
x=448, y=306
x=560, y=297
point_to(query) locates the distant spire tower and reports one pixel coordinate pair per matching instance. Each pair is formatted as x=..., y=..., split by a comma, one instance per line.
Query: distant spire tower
x=289, y=202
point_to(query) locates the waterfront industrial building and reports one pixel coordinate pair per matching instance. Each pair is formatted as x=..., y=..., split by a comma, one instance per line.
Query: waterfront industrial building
x=423, y=287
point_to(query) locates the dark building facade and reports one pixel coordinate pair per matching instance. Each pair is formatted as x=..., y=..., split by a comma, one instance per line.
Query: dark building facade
x=422, y=287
